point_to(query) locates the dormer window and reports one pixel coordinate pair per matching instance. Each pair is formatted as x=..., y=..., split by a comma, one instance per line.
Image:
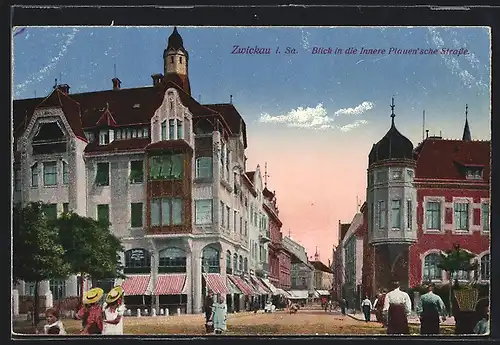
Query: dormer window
x=172, y=59
x=171, y=129
x=474, y=174
x=180, y=133
x=164, y=130
x=104, y=137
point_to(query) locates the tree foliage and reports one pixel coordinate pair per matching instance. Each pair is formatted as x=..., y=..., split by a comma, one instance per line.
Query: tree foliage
x=38, y=255
x=89, y=246
x=457, y=259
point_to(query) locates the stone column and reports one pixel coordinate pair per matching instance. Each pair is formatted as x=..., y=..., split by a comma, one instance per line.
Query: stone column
x=196, y=280
x=43, y=287
x=189, y=282
x=71, y=286
x=155, y=300
x=416, y=300
x=15, y=303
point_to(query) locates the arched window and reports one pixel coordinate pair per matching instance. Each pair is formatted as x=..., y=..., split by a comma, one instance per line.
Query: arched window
x=431, y=270
x=137, y=260
x=235, y=263
x=229, y=269
x=245, y=265
x=172, y=260
x=211, y=260
x=241, y=263
x=485, y=267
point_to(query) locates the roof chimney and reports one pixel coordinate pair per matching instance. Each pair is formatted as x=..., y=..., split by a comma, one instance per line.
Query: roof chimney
x=116, y=83
x=157, y=78
x=64, y=88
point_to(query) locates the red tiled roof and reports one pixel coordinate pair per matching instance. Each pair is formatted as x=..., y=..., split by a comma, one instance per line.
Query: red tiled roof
x=250, y=175
x=167, y=144
x=248, y=180
x=343, y=230
x=106, y=119
x=268, y=194
x=57, y=98
x=137, y=144
x=233, y=118
x=443, y=159
x=318, y=265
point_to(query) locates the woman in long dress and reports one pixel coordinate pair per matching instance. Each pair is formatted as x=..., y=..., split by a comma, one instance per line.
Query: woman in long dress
x=113, y=312
x=219, y=315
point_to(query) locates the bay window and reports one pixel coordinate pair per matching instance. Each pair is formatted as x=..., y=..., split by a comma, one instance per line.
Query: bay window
x=166, y=167
x=167, y=211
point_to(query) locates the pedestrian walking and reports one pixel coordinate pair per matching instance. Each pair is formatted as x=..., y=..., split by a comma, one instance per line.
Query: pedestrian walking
x=430, y=308
x=207, y=307
x=113, y=312
x=379, y=306
x=397, y=306
x=343, y=305
x=366, y=307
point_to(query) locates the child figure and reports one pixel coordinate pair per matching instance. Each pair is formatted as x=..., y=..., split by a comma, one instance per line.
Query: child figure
x=91, y=312
x=113, y=312
x=54, y=325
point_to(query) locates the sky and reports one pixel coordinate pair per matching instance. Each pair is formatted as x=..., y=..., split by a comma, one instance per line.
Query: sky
x=311, y=117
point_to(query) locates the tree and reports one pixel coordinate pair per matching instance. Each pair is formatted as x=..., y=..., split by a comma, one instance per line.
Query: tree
x=89, y=247
x=455, y=260
x=38, y=255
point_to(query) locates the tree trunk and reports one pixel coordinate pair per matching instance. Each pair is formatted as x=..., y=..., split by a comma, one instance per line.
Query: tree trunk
x=81, y=287
x=450, y=297
x=36, y=306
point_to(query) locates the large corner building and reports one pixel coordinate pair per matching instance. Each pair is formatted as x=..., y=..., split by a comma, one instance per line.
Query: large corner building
x=170, y=176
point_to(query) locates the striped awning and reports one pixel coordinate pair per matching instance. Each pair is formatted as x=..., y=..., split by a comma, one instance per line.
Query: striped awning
x=255, y=287
x=323, y=292
x=137, y=285
x=298, y=294
x=233, y=289
x=170, y=284
x=270, y=286
x=282, y=292
x=263, y=289
x=216, y=283
x=242, y=285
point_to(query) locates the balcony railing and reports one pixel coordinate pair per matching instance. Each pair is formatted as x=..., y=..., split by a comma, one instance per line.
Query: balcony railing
x=265, y=236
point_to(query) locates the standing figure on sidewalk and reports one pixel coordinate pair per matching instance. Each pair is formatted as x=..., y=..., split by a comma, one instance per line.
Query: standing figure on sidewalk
x=429, y=309
x=219, y=315
x=379, y=308
x=207, y=308
x=366, y=307
x=397, y=306
x=343, y=305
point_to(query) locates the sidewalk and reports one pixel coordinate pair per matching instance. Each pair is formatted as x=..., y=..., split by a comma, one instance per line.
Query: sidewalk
x=412, y=319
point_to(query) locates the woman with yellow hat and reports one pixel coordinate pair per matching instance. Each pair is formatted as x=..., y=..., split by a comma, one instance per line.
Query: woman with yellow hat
x=91, y=311
x=113, y=312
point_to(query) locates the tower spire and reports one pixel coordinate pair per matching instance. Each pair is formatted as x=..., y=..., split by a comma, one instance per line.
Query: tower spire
x=266, y=175
x=466, y=135
x=392, y=111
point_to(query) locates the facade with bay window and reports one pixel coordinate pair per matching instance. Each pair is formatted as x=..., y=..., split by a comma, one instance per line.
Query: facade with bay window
x=166, y=172
x=422, y=202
